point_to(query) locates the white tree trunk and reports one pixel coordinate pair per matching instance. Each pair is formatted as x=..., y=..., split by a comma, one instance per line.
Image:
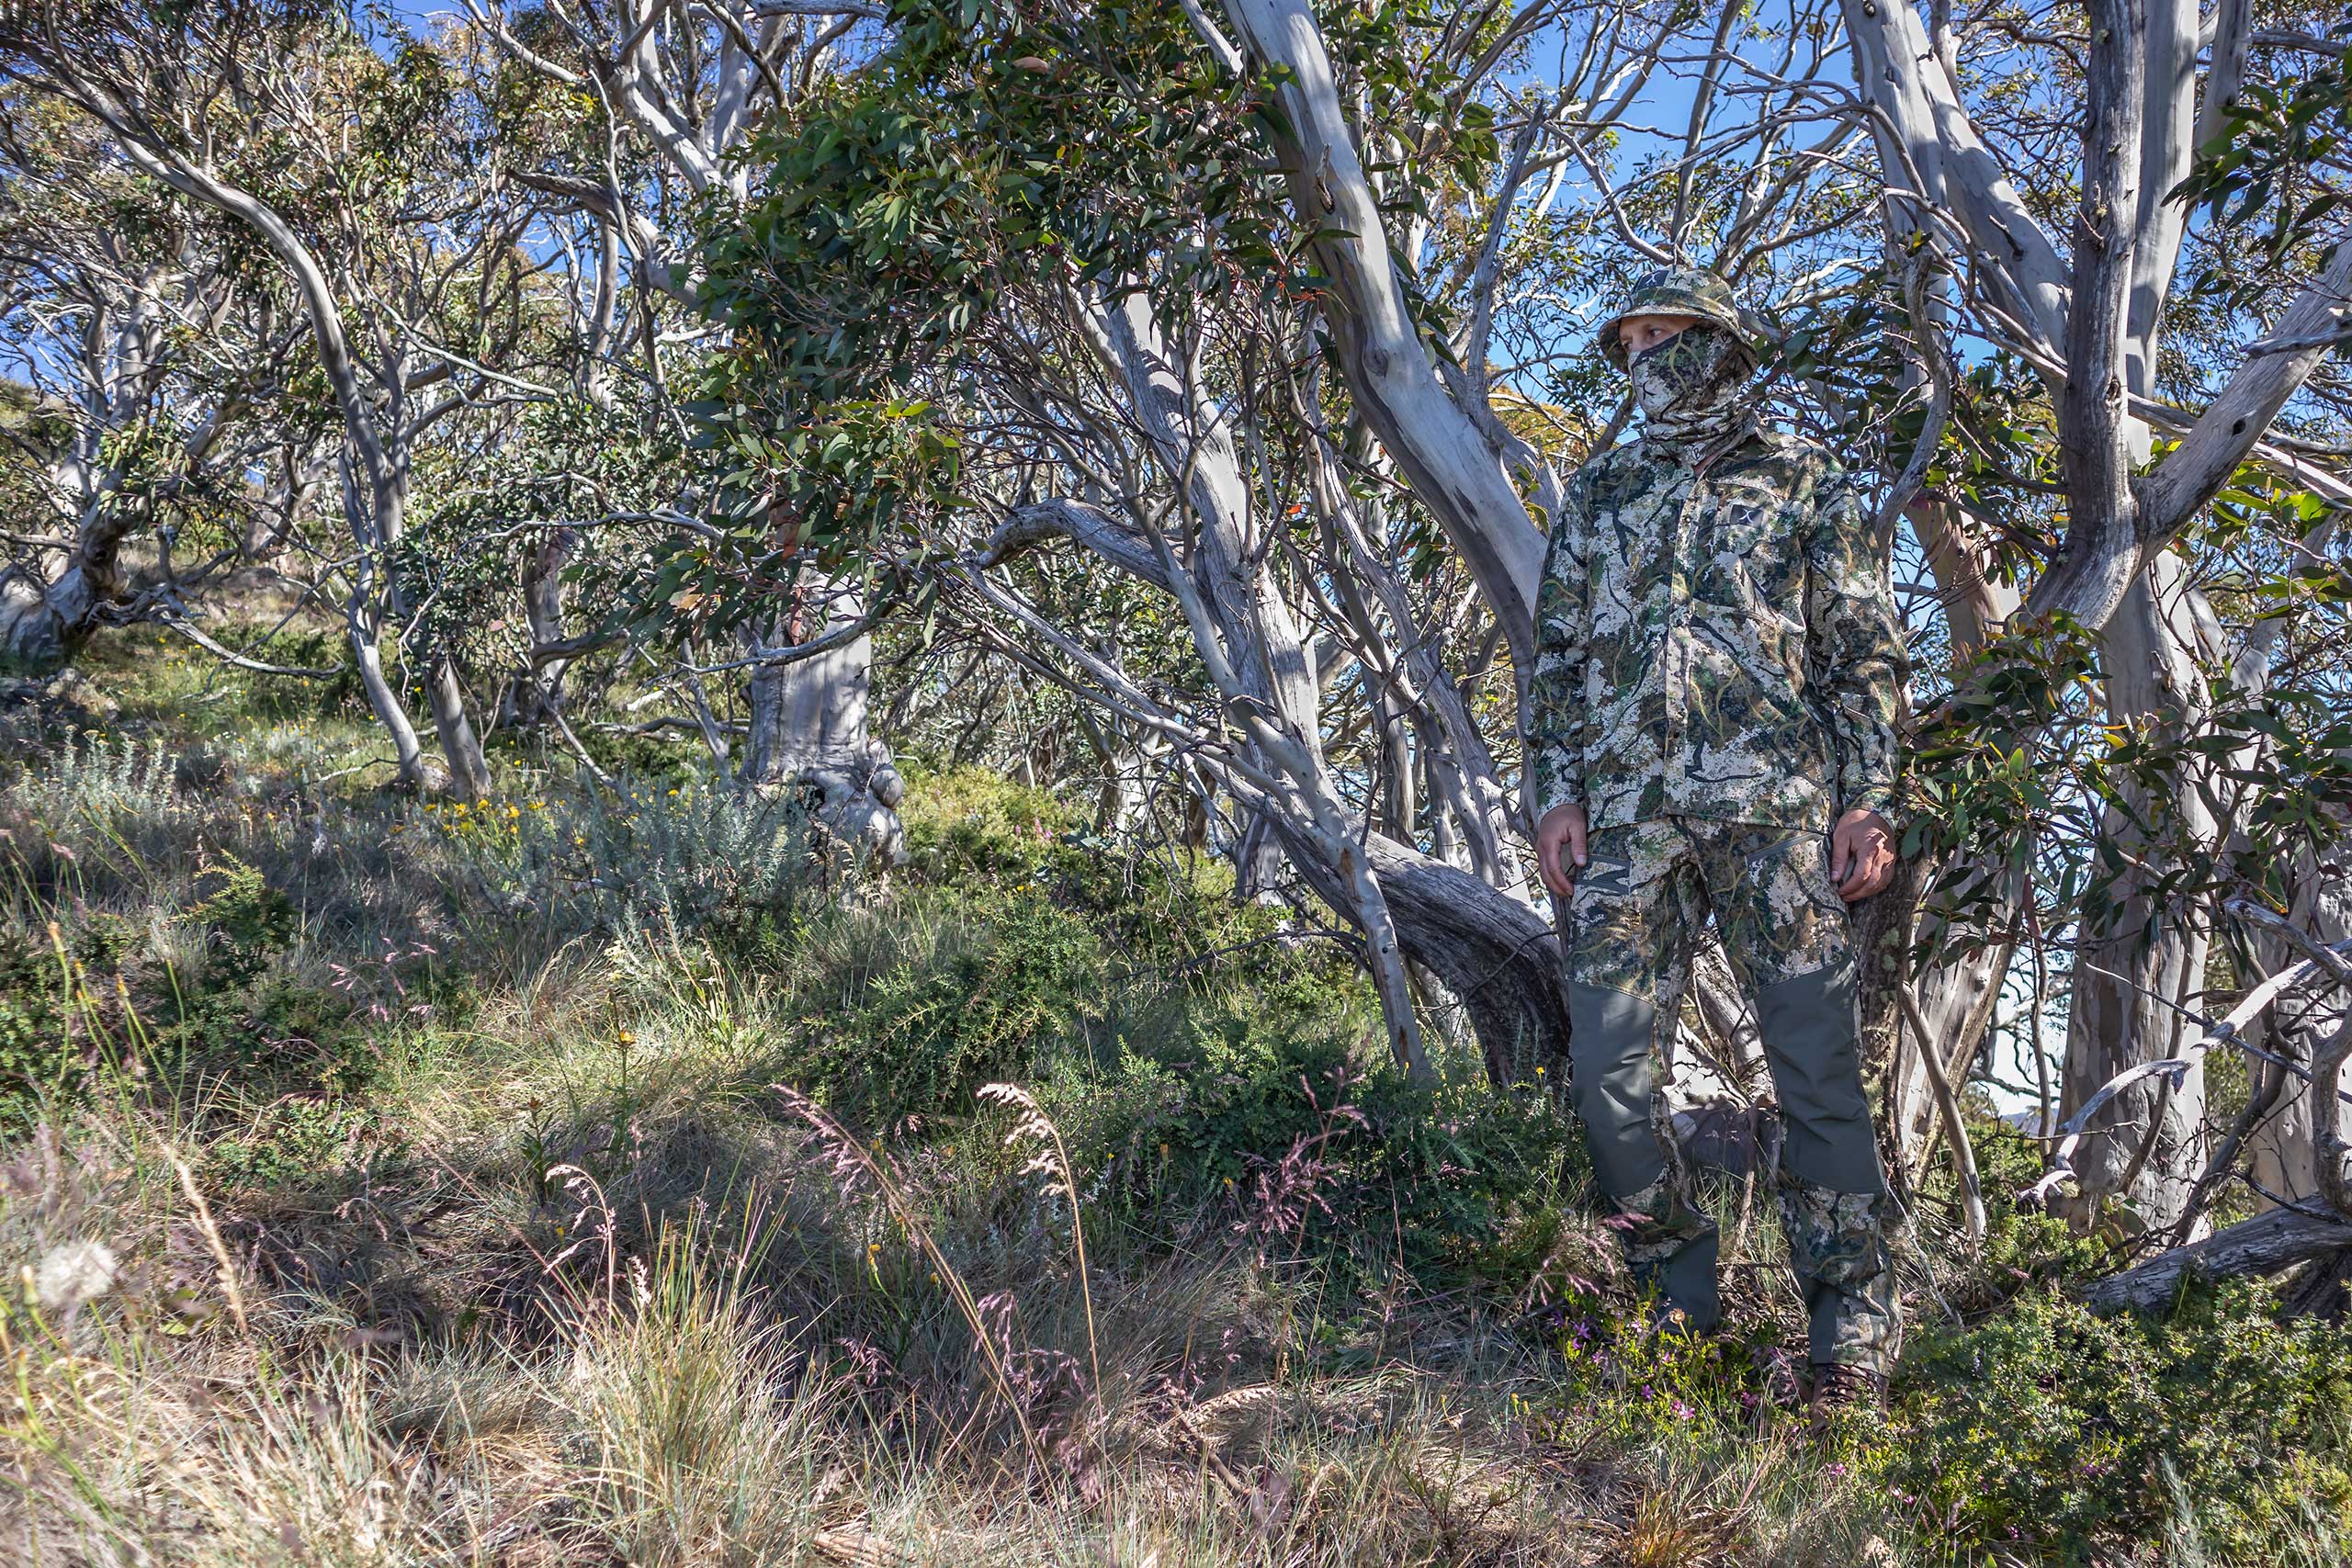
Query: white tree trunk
x=808, y=723
x=1451, y=469
x=2137, y=967
x=363, y=628
x=460, y=747
x=531, y=694
x=2284, y=1145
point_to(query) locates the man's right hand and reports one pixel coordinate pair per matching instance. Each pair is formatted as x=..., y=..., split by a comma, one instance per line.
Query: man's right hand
x=1559, y=846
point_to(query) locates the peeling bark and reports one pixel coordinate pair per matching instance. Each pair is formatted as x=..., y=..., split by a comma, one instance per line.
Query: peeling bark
x=2137, y=966
x=2284, y=1145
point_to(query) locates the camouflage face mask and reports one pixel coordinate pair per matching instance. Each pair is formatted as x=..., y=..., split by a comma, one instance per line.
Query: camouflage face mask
x=1686, y=365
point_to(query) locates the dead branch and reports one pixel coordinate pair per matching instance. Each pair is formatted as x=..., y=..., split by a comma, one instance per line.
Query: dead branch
x=2174, y=1069
x=2263, y=1244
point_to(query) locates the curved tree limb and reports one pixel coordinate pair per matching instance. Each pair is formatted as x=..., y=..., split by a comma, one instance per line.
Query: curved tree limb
x=187, y=628
x=1452, y=469
x=1963, y=1153
x=2249, y=1007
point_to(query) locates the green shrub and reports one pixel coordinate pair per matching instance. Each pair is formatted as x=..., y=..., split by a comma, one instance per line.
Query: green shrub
x=1275, y=1125
x=2051, y=1428
x=663, y=757
x=98, y=989
x=1622, y=1380
x=48, y=992
x=226, y=1013
x=966, y=827
x=978, y=984
x=290, y=1144
x=963, y=823
x=644, y=858
x=310, y=647
x=246, y=923
x=1020, y=935
x=99, y=778
x=295, y=1035
x=2024, y=1248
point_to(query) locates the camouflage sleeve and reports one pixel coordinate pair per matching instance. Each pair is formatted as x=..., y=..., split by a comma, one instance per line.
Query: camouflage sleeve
x=1855, y=646
x=1555, y=705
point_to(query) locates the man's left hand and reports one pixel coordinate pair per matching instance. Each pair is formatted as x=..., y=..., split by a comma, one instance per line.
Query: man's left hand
x=1861, y=854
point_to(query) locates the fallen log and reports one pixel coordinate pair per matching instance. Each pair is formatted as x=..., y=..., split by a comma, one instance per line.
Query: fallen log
x=2263, y=1244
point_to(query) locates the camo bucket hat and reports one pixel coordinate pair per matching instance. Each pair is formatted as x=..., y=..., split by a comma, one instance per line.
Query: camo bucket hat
x=1680, y=291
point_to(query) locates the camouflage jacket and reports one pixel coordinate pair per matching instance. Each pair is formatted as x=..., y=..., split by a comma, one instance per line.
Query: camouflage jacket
x=1718, y=644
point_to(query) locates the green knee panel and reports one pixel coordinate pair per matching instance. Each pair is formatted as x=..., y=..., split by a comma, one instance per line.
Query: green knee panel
x=1609, y=1083
x=1832, y=1204
x=1807, y=1026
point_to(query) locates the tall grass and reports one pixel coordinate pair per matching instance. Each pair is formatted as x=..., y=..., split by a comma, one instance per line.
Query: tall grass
x=679, y=1415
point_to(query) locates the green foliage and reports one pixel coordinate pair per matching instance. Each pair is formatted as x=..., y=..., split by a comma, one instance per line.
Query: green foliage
x=989, y=147
x=1994, y=758
x=866, y=261
x=2277, y=133
x=1163, y=916
x=972, y=994
x=108, y=781
x=288, y=1143
x=819, y=487
x=2024, y=1250
x=472, y=536
x=225, y=1014
x=989, y=139
x=1267, y=1115
x=1219, y=1059
x=44, y=989
x=2051, y=1428
x=1622, y=1379
x=245, y=922
x=2023, y=764
x=963, y=823
x=665, y=757
x=100, y=992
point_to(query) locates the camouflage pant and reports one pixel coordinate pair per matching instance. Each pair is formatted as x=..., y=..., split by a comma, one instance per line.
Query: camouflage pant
x=1631, y=925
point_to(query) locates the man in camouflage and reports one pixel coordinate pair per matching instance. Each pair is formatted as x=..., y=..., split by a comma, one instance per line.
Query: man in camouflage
x=1711, y=731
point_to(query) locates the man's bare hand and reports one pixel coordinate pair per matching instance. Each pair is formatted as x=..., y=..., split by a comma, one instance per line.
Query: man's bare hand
x=1559, y=846
x=1861, y=854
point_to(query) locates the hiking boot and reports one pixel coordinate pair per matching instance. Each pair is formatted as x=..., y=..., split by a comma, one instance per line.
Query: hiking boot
x=1838, y=1388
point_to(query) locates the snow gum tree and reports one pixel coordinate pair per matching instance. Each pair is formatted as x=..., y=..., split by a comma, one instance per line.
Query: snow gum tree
x=356, y=170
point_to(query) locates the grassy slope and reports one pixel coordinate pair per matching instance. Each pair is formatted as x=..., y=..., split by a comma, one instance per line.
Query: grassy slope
x=579, y=1180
